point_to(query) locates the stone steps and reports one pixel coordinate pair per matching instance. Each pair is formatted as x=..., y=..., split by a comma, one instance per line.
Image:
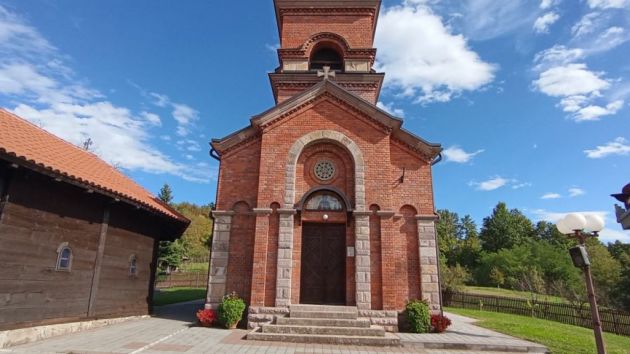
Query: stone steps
x=323, y=324
x=374, y=331
x=288, y=321
x=324, y=314
x=387, y=340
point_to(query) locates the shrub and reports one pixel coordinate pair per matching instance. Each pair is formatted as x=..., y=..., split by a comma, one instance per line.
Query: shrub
x=206, y=317
x=417, y=312
x=231, y=310
x=440, y=323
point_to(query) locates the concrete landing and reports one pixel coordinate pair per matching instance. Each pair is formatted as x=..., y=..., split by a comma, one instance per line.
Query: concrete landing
x=464, y=335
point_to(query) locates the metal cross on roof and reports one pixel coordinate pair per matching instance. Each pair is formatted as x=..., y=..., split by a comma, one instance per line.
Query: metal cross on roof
x=326, y=73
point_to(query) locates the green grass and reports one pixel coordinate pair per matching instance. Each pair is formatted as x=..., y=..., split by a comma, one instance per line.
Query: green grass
x=175, y=295
x=194, y=267
x=559, y=338
x=511, y=293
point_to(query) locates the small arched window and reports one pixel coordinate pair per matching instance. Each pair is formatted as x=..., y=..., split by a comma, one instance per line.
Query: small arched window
x=326, y=57
x=324, y=201
x=133, y=265
x=64, y=257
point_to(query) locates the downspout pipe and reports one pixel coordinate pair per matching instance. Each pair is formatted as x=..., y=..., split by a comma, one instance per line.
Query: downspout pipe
x=437, y=159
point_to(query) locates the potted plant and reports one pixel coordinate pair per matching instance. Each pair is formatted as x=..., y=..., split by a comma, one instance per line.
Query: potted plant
x=231, y=310
x=206, y=317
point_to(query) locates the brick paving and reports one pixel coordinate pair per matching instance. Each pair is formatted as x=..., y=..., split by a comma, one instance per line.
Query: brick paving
x=171, y=331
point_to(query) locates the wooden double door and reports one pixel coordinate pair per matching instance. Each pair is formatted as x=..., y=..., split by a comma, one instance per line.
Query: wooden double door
x=323, y=273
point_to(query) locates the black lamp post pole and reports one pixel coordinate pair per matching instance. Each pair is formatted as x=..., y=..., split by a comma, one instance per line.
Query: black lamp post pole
x=597, y=324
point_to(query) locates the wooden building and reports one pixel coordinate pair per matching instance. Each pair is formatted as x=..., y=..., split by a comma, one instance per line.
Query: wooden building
x=78, y=239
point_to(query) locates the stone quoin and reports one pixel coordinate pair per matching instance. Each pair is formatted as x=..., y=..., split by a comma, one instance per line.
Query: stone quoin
x=325, y=198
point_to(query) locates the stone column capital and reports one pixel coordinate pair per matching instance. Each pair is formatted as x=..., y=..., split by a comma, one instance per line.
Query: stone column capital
x=216, y=213
x=285, y=211
x=432, y=217
x=262, y=211
x=385, y=213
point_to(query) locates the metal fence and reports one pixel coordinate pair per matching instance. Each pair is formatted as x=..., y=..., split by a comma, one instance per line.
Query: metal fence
x=614, y=321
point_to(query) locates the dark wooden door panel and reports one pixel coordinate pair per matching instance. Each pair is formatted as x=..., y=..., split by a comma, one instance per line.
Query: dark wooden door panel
x=323, y=270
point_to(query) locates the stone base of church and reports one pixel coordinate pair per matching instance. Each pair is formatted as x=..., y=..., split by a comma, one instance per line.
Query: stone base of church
x=258, y=316
x=383, y=318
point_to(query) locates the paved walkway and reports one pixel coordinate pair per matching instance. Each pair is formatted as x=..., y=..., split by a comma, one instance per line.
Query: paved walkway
x=172, y=331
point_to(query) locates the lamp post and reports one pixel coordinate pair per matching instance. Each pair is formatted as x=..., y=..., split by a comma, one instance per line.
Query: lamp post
x=578, y=226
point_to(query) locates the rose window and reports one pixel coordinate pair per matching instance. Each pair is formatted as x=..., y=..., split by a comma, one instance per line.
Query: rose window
x=324, y=170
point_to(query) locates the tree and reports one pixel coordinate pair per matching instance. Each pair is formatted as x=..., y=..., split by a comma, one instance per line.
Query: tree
x=606, y=270
x=505, y=229
x=196, y=238
x=548, y=232
x=171, y=255
x=469, y=254
x=447, y=230
x=166, y=194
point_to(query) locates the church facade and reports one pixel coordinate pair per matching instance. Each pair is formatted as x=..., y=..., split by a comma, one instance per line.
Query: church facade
x=325, y=198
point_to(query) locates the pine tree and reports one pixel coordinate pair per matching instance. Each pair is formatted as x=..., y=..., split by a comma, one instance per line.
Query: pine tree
x=166, y=194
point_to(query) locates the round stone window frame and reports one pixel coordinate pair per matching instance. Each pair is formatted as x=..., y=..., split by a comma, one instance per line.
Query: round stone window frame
x=329, y=175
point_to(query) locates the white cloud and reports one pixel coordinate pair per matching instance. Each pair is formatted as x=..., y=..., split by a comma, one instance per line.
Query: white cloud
x=545, y=4
x=587, y=24
x=610, y=235
x=593, y=112
x=490, y=184
x=608, y=4
x=518, y=185
x=569, y=80
x=184, y=114
x=152, y=118
x=557, y=55
x=158, y=99
x=48, y=93
x=272, y=47
x=423, y=59
x=458, y=155
x=542, y=23
x=619, y=146
x=487, y=19
x=551, y=196
x=610, y=38
x=576, y=192
x=389, y=108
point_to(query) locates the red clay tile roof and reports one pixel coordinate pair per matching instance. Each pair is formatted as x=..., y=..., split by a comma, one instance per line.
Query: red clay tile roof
x=31, y=144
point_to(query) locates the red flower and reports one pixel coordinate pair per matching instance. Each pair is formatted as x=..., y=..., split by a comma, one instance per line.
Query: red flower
x=206, y=317
x=440, y=323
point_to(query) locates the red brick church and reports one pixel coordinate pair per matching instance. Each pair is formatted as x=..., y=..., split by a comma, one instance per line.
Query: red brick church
x=325, y=198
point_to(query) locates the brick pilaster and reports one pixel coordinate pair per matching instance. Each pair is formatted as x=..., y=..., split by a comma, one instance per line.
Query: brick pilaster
x=285, y=257
x=259, y=269
x=388, y=256
x=429, y=261
x=217, y=274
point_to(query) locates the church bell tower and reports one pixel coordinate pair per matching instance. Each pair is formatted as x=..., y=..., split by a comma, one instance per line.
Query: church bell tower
x=326, y=38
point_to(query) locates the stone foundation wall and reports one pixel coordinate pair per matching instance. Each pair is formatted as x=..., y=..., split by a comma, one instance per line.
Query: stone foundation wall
x=386, y=319
x=258, y=316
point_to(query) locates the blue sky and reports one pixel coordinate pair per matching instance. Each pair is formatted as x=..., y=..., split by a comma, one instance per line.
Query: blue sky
x=530, y=99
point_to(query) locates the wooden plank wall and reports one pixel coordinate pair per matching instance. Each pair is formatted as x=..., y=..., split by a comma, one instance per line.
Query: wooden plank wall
x=118, y=292
x=40, y=215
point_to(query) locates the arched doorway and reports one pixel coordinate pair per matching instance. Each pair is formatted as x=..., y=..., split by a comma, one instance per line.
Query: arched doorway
x=323, y=213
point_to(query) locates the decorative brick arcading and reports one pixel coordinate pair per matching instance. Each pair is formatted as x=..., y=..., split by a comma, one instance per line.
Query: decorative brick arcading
x=429, y=261
x=285, y=257
x=217, y=275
